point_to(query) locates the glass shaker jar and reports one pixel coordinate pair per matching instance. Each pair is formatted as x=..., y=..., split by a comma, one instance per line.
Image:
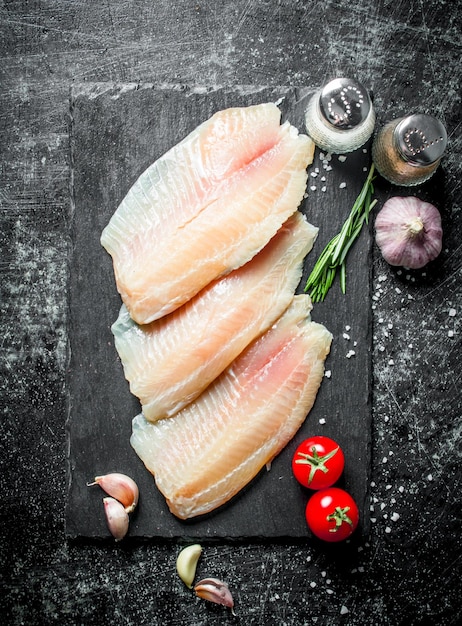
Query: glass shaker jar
x=340, y=117
x=408, y=150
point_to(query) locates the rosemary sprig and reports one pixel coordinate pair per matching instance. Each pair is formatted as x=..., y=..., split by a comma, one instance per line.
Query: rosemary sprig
x=334, y=255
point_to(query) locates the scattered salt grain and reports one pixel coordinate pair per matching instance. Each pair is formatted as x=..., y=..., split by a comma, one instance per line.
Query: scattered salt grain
x=346, y=336
x=329, y=591
x=323, y=188
x=391, y=362
x=313, y=187
x=342, y=158
x=429, y=477
x=314, y=174
x=401, y=489
x=343, y=610
x=312, y=584
x=342, y=185
x=385, y=459
x=388, y=529
x=394, y=517
x=450, y=333
x=322, y=421
x=452, y=312
x=327, y=373
x=350, y=353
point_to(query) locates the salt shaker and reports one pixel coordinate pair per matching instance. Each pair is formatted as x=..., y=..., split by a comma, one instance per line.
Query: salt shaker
x=340, y=117
x=408, y=150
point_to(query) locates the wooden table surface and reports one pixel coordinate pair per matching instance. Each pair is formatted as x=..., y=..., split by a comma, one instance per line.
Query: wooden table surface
x=408, y=569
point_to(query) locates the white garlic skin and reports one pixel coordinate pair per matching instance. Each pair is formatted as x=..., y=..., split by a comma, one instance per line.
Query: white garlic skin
x=408, y=232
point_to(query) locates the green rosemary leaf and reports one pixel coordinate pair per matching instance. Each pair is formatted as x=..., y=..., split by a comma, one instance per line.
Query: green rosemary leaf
x=343, y=277
x=335, y=252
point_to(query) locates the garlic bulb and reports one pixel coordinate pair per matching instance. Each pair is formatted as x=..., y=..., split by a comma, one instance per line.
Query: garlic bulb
x=408, y=232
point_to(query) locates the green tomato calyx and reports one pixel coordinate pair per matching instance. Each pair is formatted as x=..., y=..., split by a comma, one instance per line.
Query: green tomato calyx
x=315, y=461
x=339, y=516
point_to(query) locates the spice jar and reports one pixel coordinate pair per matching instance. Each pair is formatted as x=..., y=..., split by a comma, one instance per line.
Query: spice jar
x=408, y=150
x=340, y=117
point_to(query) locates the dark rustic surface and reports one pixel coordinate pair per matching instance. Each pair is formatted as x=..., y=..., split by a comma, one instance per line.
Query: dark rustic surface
x=116, y=131
x=408, y=570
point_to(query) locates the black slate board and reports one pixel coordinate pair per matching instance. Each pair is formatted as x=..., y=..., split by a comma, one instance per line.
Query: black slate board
x=116, y=132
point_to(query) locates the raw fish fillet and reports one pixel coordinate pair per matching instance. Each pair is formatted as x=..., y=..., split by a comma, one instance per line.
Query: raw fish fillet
x=170, y=361
x=206, y=207
x=209, y=451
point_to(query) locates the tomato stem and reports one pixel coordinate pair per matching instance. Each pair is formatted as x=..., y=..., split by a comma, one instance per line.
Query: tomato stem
x=316, y=462
x=339, y=516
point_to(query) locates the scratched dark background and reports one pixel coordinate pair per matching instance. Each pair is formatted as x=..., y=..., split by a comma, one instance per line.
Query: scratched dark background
x=408, y=570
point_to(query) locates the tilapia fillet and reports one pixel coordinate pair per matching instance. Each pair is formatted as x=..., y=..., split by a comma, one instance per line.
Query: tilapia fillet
x=170, y=361
x=206, y=207
x=209, y=451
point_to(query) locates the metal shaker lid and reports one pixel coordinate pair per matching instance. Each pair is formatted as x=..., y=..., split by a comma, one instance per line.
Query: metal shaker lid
x=344, y=103
x=421, y=139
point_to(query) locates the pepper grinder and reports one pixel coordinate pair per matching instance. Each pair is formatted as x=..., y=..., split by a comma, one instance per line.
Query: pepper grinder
x=340, y=117
x=408, y=150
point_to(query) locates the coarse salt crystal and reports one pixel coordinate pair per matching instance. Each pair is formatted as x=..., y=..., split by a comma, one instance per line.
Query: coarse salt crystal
x=343, y=610
x=342, y=185
x=388, y=529
x=324, y=188
x=346, y=336
x=452, y=312
x=350, y=353
x=322, y=421
x=450, y=333
x=394, y=517
x=313, y=187
x=342, y=158
x=328, y=373
x=312, y=584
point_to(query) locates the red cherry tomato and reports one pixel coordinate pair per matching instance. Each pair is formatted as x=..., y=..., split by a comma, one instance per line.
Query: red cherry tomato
x=318, y=462
x=332, y=514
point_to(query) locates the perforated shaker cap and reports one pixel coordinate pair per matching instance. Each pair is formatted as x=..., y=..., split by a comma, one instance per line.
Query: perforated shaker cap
x=421, y=139
x=344, y=103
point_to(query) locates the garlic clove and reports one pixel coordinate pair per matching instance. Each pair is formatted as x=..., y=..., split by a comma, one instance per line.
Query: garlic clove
x=214, y=590
x=116, y=517
x=121, y=487
x=186, y=563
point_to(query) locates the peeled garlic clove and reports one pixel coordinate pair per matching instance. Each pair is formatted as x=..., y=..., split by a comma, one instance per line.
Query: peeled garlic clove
x=408, y=232
x=214, y=590
x=186, y=563
x=121, y=487
x=116, y=518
